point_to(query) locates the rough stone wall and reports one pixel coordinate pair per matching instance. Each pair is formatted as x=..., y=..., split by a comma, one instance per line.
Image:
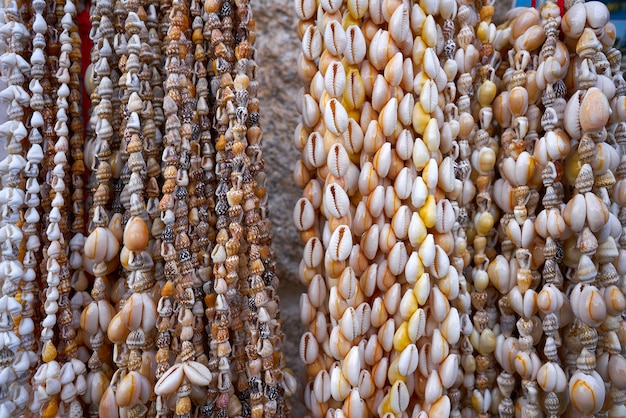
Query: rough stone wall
x=277, y=50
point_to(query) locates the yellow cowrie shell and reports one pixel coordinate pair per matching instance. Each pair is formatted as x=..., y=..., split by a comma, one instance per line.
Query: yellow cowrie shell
x=432, y=136
x=586, y=392
x=429, y=96
x=388, y=117
x=398, y=399
x=312, y=43
x=429, y=31
x=430, y=174
x=357, y=8
x=422, y=288
x=335, y=117
x=310, y=111
x=408, y=304
x=335, y=80
x=354, y=91
x=417, y=325
x=413, y=268
x=335, y=39
x=374, y=138
x=314, y=150
x=419, y=118
x=393, y=70
x=428, y=211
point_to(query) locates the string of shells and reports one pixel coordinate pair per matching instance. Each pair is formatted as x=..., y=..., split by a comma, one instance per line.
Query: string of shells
x=462, y=212
x=136, y=269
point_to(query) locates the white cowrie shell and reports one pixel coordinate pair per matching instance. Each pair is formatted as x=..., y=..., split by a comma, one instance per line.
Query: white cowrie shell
x=336, y=201
x=303, y=214
x=170, y=381
x=312, y=43
x=305, y=9
x=420, y=154
x=331, y=6
x=335, y=117
x=321, y=386
x=433, y=388
x=446, y=175
x=445, y=216
x=429, y=96
x=376, y=201
x=309, y=348
x=338, y=160
x=405, y=109
x=339, y=385
x=381, y=93
x=356, y=48
x=349, y=324
x=393, y=70
x=335, y=79
x=388, y=117
x=317, y=291
x=313, y=252
x=335, y=37
x=310, y=111
x=351, y=366
x=401, y=221
x=340, y=243
x=353, y=137
x=314, y=150
x=399, y=24
x=397, y=258
x=448, y=370
x=404, y=145
x=430, y=174
x=431, y=63
x=403, y=184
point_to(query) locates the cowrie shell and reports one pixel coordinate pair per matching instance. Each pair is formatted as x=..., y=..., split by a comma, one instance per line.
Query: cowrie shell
x=335, y=37
x=303, y=214
x=313, y=252
x=305, y=9
x=335, y=117
x=331, y=6
x=356, y=48
x=336, y=201
x=340, y=244
x=312, y=43
x=335, y=79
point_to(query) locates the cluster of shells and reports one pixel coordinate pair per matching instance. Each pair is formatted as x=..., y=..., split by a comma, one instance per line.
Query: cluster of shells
x=463, y=209
x=137, y=276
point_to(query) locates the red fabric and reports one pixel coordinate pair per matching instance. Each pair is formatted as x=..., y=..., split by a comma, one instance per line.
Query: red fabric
x=561, y=4
x=533, y=4
x=84, y=27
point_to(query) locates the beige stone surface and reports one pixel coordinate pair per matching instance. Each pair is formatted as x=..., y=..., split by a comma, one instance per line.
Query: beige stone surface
x=277, y=50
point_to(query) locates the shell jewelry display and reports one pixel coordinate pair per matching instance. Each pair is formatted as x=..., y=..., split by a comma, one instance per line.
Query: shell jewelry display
x=462, y=217
x=136, y=267
x=463, y=209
